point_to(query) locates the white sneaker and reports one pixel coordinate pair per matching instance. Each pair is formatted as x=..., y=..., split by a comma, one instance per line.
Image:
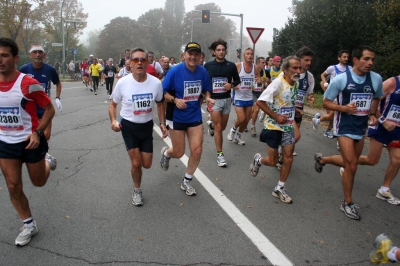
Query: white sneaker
x=231, y=135
x=26, y=234
x=261, y=116
x=221, y=160
x=186, y=185
x=238, y=140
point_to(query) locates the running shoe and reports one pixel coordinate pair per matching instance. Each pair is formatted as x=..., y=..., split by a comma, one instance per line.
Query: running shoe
x=231, y=134
x=186, y=185
x=341, y=171
x=221, y=160
x=254, y=166
x=388, y=197
x=109, y=97
x=294, y=153
x=238, y=140
x=246, y=130
x=261, y=116
x=350, y=210
x=328, y=133
x=52, y=161
x=382, y=245
x=253, y=131
x=315, y=121
x=137, y=198
x=318, y=165
x=210, y=130
x=26, y=234
x=91, y=89
x=282, y=195
x=164, y=161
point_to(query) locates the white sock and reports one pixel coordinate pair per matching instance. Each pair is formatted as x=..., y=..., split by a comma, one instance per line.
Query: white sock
x=280, y=185
x=166, y=154
x=28, y=221
x=384, y=189
x=392, y=254
x=189, y=177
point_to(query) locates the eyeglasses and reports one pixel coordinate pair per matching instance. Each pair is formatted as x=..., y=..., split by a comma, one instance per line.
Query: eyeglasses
x=137, y=60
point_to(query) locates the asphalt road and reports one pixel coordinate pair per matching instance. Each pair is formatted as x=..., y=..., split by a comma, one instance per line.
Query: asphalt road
x=85, y=215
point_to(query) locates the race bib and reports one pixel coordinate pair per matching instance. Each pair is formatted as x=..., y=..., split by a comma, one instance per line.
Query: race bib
x=110, y=74
x=394, y=114
x=218, y=85
x=362, y=101
x=192, y=90
x=301, y=95
x=257, y=88
x=246, y=84
x=142, y=103
x=10, y=119
x=289, y=112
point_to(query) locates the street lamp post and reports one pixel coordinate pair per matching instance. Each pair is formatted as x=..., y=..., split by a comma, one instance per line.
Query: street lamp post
x=191, y=34
x=63, y=48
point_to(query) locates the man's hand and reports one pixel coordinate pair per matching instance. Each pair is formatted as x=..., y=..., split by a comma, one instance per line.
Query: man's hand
x=34, y=141
x=116, y=126
x=164, y=130
x=351, y=108
x=59, y=105
x=389, y=125
x=210, y=102
x=281, y=119
x=310, y=99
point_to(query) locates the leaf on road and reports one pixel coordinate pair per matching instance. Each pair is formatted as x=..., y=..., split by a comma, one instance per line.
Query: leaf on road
x=140, y=238
x=276, y=202
x=217, y=178
x=319, y=241
x=326, y=214
x=369, y=233
x=67, y=167
x=181, y=204
x=248, y=206
x=261, y=176
x=1, y=188
x=67, y=216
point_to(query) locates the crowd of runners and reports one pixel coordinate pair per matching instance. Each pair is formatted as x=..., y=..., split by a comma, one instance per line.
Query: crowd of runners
x=270, y=89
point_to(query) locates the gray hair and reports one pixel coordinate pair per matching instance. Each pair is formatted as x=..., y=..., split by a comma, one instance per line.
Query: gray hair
x=286, y=61
x=138, y=49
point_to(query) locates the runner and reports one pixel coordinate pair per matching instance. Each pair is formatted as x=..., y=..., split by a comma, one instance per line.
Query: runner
x=126, y=70
x=387, y=132
x=122, y=62
x=84, y=67
x=275, y=69
x=45, y=75
x=224, y=76
x=331, y=72
x=278, y=124
x=21, y=135
x=109, y=72
x=249, y=73
x=155, y=64
x=182, y=88
x=358, y=93
x=138, y=93
x=306, y=88
x=95, y=70
x=257, y=90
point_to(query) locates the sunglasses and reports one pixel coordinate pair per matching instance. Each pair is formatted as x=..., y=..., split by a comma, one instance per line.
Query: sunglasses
x=137, y=60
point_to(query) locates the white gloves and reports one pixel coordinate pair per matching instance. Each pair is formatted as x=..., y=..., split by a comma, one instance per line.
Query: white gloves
x=59, y=105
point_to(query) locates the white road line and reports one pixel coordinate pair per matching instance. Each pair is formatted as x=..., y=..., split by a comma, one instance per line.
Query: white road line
x=274, y=255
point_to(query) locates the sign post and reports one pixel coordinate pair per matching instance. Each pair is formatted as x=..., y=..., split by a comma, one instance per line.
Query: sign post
x=255, y=34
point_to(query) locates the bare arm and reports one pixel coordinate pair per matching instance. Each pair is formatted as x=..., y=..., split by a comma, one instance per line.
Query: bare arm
x=112, y=111
x=48, y=115
x=58, y=89
x=161, y=117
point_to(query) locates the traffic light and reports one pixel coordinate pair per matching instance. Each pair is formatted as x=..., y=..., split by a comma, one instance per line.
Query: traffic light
x=238, y=52
x=205, y=16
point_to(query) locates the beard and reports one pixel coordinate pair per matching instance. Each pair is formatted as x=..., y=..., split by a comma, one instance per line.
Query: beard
x=295, y=77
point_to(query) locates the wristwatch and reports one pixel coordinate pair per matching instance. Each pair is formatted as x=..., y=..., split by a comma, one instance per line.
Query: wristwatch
x=381, y=119
x=39, y=132
x=173, y=100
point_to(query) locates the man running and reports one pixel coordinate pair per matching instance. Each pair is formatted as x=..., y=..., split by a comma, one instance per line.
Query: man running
x=305, y=89
x=257, y=90
x=332, y=72
x=84, y=67
x=155, y=64
x=248, y=73
x=21, y=134
x=182, y=88
x=278, y=124
x=95, y=70
x=275, y=69
x=45, y=75
x=138, y=93
x=122, y=62
x=109, y=72
x=126, y=70
x=224, y=76
x=358, y=92
x=387, y=132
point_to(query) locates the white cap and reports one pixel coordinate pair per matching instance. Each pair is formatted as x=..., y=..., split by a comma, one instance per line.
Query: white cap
x=90, y=55
x=36, y=48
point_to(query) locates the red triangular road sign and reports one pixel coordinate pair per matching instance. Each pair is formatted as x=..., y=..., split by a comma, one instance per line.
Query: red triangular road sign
x=255, y=33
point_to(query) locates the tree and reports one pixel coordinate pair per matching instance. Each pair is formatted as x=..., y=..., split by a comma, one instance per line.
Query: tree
x=177, y=9
x=92, y=41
